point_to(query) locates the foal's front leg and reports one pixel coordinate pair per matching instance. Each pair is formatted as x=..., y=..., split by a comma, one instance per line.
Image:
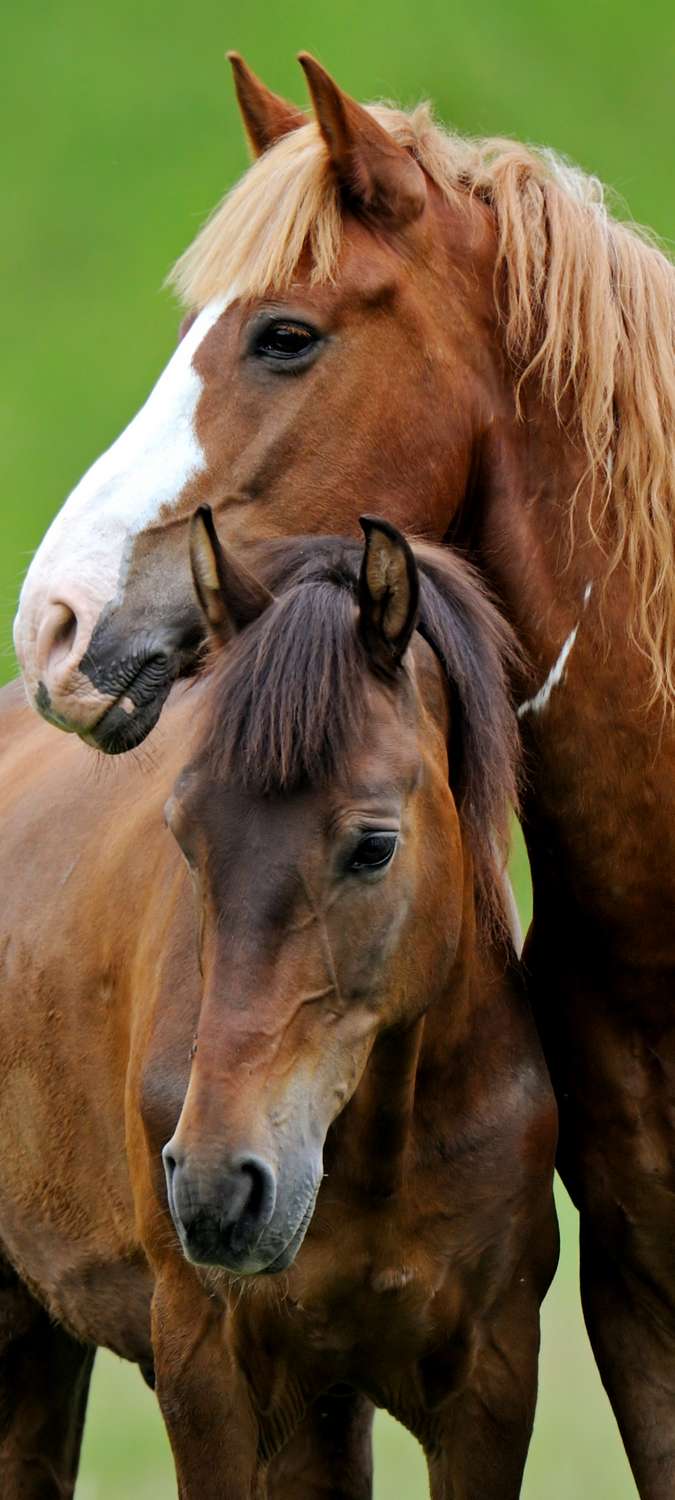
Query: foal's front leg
x=202, y=1395
x=330, y=1456
x=482, y=1438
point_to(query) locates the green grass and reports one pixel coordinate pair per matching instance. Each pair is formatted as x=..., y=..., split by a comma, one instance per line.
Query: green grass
x=123, y=133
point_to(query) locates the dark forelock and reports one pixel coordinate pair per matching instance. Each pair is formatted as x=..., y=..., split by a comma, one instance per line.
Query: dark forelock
x=288, y=695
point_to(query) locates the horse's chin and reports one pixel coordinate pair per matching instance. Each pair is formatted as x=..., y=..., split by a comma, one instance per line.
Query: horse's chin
x=135, y=687
x=118, y=730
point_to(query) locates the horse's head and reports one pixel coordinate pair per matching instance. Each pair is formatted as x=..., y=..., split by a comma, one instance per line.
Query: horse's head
x=342, y=342
x=333, y=849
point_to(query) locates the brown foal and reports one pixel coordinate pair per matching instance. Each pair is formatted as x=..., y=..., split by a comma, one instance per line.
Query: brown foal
x=300, y=1110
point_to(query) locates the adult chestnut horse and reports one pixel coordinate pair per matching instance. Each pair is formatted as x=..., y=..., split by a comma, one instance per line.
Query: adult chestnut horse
x=386, y=310
x=358, y=1014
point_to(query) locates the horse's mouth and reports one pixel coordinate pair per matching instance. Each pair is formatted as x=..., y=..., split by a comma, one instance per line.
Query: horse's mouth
x=135, y=711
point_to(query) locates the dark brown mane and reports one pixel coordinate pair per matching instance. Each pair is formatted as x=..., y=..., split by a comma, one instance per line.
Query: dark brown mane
x=288, y=695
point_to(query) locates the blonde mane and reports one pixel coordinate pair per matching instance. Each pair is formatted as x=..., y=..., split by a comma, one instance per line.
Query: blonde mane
x=587, y=304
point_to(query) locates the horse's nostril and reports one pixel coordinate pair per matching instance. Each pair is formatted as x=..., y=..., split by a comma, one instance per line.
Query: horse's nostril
x=64, y=632
x=56, y=637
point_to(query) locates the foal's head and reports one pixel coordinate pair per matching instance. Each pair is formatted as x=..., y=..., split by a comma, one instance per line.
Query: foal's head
x=345, y=801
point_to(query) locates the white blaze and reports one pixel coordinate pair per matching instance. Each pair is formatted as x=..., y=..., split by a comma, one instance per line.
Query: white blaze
x=147, y=467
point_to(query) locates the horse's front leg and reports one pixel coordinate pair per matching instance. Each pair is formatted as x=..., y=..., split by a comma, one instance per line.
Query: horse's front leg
x=202, y=1394
x=613, y=1069
x=631, y=1324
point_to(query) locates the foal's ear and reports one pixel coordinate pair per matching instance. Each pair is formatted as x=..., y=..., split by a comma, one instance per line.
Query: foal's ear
x=389, y=593
x=266, y=116
x=370, y=166
x=230, y=596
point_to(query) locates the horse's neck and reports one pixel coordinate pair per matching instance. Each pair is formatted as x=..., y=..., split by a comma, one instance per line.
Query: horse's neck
x=517, y=525
x=591, y=748
x=543, y=530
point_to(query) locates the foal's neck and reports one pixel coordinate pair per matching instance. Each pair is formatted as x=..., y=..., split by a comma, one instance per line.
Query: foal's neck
x=380, y=1115
x=380, y=1124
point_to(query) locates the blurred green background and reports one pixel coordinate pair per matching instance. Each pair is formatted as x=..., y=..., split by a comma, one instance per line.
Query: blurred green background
x=120, y=133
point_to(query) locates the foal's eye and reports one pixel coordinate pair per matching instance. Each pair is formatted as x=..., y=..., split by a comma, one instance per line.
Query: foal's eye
x=285, y=341
x=373, y=852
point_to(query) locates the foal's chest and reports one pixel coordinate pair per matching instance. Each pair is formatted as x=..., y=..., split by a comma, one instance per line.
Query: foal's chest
x=367, y=1310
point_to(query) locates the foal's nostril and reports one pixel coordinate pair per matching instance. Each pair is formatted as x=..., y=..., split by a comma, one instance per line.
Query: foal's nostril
x=221, y=1214
x=170, y=1160
x=254, y=1192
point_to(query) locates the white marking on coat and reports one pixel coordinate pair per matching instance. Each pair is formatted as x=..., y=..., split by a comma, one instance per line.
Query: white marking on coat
x=146, y=468
x=539, y=701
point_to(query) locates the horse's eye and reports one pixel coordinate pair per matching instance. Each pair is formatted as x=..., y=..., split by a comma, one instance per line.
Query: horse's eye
x=284, y=342
x=373, y=852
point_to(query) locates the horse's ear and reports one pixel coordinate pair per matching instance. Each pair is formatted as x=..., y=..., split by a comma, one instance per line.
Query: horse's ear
x=230, y=596
x=371, y=168
x=388, y=593
x=266, y=116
